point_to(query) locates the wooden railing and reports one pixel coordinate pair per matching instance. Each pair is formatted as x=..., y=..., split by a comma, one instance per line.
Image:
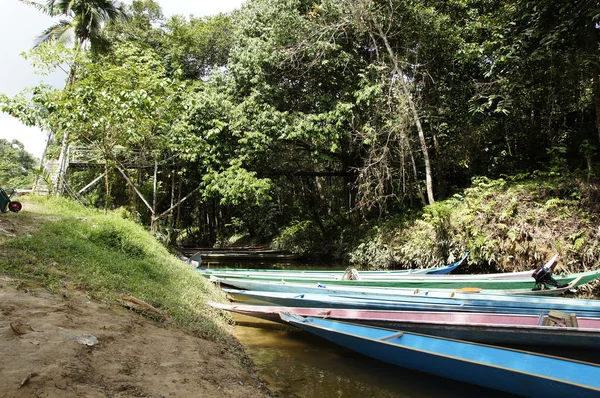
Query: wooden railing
x=84, y=156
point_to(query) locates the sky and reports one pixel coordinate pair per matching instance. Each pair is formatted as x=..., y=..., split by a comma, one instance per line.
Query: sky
x=20, y=24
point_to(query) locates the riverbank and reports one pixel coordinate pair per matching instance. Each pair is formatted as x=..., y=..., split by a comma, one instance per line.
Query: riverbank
x=68, y=345
x=509, y=224
x=91, y=306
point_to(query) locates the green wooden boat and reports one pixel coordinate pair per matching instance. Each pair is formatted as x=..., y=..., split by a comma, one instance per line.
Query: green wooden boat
x=442, y=282
x=383, y=292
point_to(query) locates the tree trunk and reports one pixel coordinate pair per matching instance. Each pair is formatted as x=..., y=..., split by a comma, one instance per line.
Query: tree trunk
x=415, y=114
x=595, y=70
x=106, y=186
x=414, y=167
x=64, y=143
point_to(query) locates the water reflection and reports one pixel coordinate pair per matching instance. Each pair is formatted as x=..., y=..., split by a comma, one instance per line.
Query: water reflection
x=275, y=265
x=297, y=364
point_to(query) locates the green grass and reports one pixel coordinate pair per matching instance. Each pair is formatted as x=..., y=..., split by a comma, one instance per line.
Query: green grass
x=60, y=244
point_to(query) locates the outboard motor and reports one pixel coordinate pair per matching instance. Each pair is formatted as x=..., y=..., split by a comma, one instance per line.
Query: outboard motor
x=543, y=278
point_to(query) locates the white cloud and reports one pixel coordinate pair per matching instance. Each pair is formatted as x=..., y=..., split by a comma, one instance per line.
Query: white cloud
x=32, y=138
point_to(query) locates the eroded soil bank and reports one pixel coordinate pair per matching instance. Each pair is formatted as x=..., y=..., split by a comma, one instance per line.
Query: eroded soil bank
x=44, y=341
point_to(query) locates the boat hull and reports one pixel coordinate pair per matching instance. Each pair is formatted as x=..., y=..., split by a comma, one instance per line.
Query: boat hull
x=497, y=304
x=333, y=274
x=516, y=372
x=326, y=288
x=438, y=282
x=477, y=327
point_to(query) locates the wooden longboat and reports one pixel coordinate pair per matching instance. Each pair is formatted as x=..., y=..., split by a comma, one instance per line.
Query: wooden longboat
x=556, y=330
x=327, y=288
x=442, y=272
x=460, y=302
x=338, y=274
x=513, y=371
x=438, y=282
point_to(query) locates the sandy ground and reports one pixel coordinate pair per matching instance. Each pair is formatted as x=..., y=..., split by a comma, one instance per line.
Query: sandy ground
x=44, y=350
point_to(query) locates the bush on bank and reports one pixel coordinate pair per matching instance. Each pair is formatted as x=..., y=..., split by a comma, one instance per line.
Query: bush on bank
x=509, y=224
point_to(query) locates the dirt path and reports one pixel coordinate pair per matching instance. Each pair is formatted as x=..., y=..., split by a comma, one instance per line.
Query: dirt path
x=42, y=341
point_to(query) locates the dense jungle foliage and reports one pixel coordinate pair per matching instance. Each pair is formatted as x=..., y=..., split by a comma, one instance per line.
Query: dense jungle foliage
x=321, y=125
x=16, y=165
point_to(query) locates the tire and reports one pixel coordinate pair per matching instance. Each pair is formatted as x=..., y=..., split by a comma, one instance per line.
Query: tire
x=15, y=206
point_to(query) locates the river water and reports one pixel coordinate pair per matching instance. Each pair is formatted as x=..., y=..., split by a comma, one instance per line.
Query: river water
x=295, y=363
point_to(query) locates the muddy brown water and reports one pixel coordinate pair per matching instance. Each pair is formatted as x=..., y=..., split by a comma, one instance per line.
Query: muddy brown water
x=295, y=363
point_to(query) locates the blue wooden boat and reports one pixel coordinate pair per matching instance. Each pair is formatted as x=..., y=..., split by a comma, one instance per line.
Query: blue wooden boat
x=513, y=371
x=493, y=303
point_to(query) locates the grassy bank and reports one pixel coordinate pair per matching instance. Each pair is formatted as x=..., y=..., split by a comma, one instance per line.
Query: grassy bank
x=58, y=244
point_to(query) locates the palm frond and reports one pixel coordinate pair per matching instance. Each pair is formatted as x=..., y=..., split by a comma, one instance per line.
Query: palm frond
x=51, y=4
x=87, y=18
x=65, y=6
x=46, y=9
x=57, y=32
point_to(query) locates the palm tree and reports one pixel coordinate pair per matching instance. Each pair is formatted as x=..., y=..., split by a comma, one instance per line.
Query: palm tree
x=83, y=23
x=82, y=27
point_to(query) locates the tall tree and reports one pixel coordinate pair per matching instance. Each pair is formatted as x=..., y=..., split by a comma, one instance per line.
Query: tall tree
x=198, y=45
x=83, y=25
x=123, y=100
x=540, y=94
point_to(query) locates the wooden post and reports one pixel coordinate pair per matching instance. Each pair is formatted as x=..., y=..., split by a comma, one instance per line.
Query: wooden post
x=154, y=187
x=136, y=190
x=172, y=219
x=179, y=190
x=42, y=161
x=91, y=184
x=62, y=160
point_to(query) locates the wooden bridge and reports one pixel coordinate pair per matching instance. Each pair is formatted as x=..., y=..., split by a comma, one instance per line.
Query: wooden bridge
x=56, y=174
x=78, y=158
x=85, y=158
